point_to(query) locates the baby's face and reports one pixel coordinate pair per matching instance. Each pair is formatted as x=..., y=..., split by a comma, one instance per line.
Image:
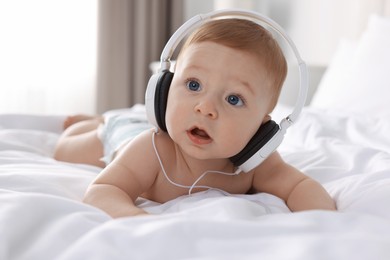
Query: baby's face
x=218, y=98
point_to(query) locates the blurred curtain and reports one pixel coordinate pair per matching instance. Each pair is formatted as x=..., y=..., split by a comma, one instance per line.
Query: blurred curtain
x=386, y=8
x=131, y=34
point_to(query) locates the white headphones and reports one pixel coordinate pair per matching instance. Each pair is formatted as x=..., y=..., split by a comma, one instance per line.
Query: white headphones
x=270, y=135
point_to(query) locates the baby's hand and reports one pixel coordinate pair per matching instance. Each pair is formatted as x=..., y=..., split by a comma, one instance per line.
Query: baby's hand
x=140, y=212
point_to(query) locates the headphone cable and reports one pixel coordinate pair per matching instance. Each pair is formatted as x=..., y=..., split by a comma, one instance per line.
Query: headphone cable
x=193, y=186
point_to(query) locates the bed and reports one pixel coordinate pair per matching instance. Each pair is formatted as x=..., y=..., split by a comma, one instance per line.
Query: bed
x=342, y=140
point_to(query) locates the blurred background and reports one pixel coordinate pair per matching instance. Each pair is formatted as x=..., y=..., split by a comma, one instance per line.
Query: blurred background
x=90, y=56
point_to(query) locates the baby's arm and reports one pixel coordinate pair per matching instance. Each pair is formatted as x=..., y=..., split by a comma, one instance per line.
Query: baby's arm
x=125, y=179
x=298, y=190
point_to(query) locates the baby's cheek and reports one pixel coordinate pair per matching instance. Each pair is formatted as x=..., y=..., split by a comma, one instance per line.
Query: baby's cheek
x=235, y=142
x=171, y=116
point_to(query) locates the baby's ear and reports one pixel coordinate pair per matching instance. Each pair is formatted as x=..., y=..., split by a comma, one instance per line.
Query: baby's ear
x=266, y=119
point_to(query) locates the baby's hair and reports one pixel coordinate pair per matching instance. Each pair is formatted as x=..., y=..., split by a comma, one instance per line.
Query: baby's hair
x=247, y=36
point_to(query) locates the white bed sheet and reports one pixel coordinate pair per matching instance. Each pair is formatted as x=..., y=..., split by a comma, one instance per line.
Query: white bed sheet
x=42, y=216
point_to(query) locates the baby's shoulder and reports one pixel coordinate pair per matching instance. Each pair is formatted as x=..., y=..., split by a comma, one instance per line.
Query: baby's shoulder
x=148, y=141
x=271, y=162
x=140, y=153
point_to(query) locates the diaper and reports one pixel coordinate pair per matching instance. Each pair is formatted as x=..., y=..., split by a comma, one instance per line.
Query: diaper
x=119, y=129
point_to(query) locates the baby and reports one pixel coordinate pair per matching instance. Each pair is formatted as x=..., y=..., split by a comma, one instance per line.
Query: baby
x=227, y=81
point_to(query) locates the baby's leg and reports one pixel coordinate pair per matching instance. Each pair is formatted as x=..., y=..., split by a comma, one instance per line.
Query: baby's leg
x=71, y=120
x=79, y=143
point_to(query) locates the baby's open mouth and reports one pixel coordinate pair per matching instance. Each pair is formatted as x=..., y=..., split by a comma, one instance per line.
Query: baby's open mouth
x=199, y=136
x=200, y=133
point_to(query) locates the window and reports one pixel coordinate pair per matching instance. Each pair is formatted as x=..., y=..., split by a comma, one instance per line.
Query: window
x=48, y=56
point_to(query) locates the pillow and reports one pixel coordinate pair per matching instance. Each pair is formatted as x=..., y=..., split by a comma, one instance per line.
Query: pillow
x=334, y=76
x=358, y=77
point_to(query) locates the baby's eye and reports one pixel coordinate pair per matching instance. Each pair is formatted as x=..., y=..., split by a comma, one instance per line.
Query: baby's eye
x=235, y=100
x=193, y=85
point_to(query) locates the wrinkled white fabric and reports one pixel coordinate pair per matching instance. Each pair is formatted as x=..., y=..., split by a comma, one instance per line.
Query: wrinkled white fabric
x=42, y=216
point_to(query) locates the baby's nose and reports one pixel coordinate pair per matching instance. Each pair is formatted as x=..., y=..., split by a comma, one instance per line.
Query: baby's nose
x=207, y=108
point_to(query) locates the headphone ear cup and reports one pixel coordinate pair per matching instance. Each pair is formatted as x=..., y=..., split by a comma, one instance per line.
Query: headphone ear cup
x=161, y=98
x=263, y=135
